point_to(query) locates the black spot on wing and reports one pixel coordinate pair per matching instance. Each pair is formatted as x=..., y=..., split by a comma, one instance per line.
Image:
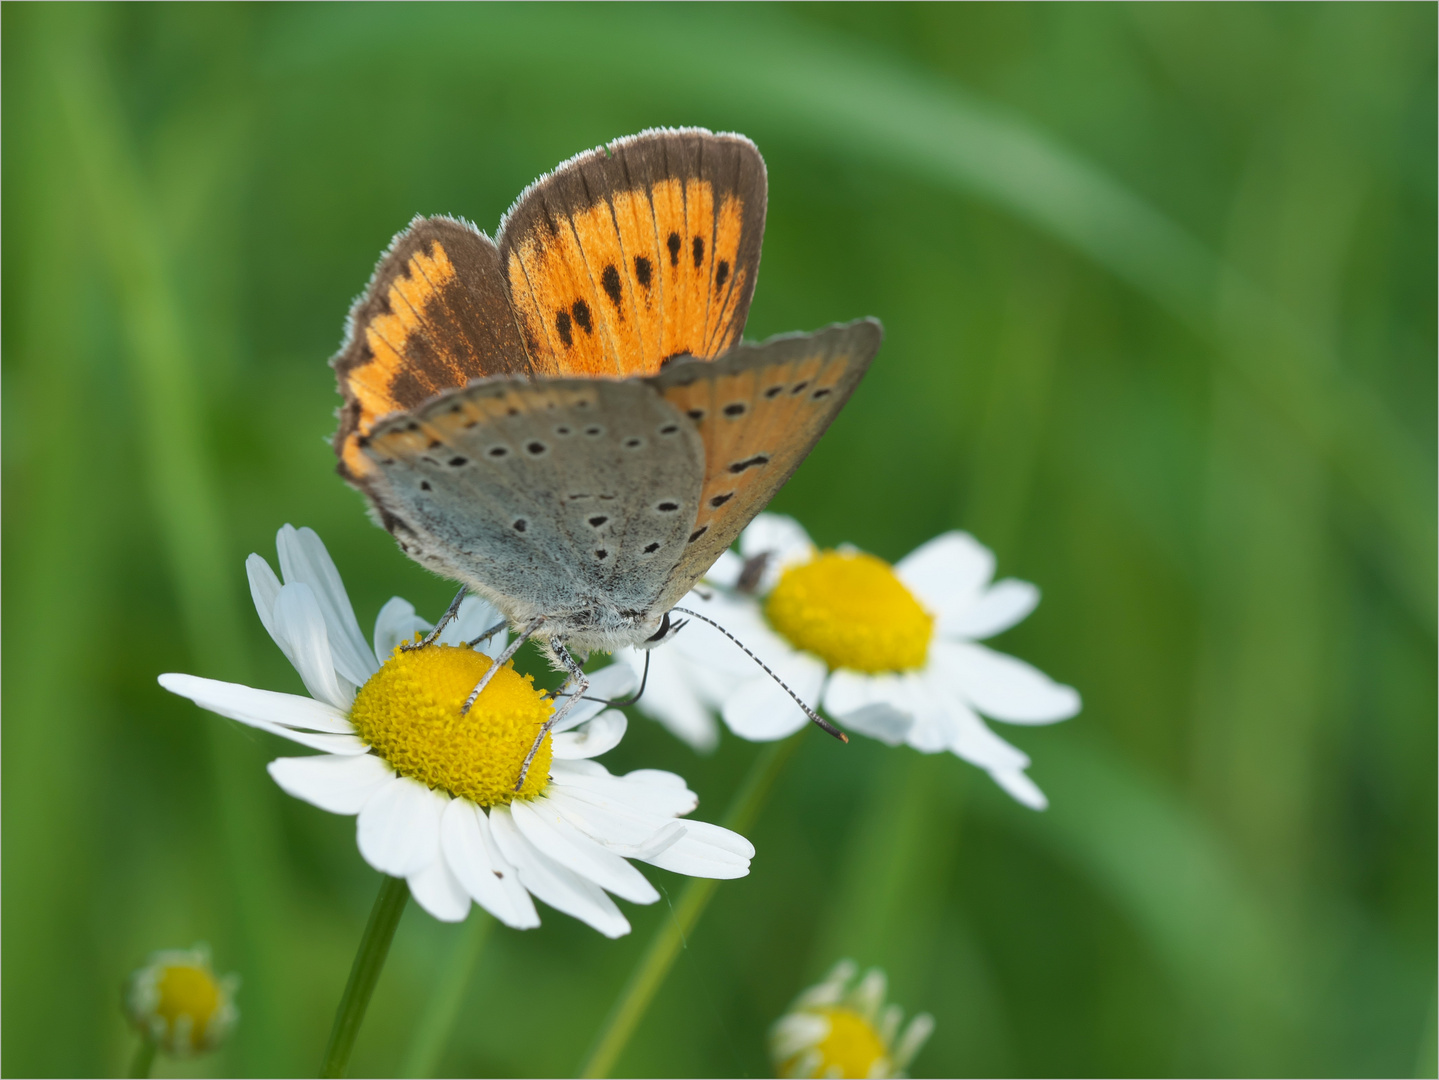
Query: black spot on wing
x=749, y=463
x=699, y=250
x=673, y=243
x=562, y=324
x=721, y=273
x=581, y=311
x=610, y=279
x=643, y=270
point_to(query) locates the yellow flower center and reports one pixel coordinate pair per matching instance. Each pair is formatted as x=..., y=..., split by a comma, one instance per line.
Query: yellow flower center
x=852, y=1048
x=190, y=991
x=851, y=610
x=409, y=711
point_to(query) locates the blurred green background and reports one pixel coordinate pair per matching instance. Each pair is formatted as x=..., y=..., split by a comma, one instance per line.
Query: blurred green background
x=1159, y=290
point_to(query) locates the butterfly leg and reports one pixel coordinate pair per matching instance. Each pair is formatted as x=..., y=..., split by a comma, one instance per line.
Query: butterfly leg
x=491, y=632
x=500, y=661
x=445, y=620
x=579, y=682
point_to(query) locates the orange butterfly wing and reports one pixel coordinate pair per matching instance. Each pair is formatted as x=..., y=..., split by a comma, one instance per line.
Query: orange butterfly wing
x=622, y=258
x=759, y=410
x=433, y=317
x=627, y=256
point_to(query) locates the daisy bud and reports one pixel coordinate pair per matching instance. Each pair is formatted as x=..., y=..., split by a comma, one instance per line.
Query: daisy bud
x=834, y=1029
x=176, y=1002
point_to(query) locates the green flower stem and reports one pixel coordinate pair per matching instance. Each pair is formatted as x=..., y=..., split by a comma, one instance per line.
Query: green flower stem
x=438, y=1020
x=369, y=960
x=649, y=975
x=144, y=1059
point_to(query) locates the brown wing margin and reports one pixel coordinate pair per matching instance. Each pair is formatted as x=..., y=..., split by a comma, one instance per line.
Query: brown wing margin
x=759, y=410
x=434, y=316
x=636, y=252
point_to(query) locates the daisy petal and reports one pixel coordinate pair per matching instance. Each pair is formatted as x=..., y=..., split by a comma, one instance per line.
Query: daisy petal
x=302, y=635
x=1003, y=687
x=478, y=865
x=562, y=889
x=475, y=616
x=399, y=828
x=706, y=850
x=545, y=828
x=783, y=538
x=868, y=704
x=761, y=711
x=595, y=782
x=1018, y=784
x=601, y=734
x=303, y=558
x=670, y=699
x=264, y=590
x=279, y=714
x=948, y=573
x=971, y=738
x=339, y=784
x=436, y=890
x=631, y=833
x=726, y=570
x=396, y=623
x=998, y=608
x=795, y=1032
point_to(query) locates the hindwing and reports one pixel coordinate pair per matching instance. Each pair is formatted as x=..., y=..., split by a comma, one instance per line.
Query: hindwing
x=758, y=410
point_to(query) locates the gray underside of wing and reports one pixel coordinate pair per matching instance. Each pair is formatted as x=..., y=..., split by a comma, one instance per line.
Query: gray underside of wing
x=561, y=497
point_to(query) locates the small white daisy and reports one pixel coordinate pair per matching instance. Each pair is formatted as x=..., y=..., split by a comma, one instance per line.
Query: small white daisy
x=176, y=1002
x=890, y=652
x=432, y=787
x=834, y=1031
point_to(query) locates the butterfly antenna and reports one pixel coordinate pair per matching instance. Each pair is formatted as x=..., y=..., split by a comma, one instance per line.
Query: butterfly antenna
x=814, y=716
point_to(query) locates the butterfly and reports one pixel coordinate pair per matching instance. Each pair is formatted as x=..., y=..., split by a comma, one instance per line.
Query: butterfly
x=564, y=419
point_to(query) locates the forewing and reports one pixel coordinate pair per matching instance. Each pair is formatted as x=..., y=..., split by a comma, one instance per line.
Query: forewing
x=637, y=252
x=434, y=316
x=759, y=411
x=550, y=497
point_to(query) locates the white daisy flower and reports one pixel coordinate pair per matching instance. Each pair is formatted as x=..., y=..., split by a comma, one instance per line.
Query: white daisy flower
x=433, y=788
x=889, y=651
x=834, y=1030
x=176, y=1002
